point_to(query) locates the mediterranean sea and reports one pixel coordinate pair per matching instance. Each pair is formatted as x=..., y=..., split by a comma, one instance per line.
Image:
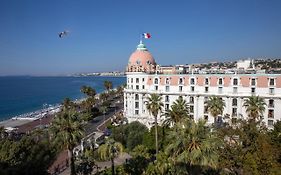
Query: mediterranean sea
x=19, y=95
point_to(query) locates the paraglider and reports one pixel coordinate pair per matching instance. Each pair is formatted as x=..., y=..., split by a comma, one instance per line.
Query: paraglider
x=63, y=34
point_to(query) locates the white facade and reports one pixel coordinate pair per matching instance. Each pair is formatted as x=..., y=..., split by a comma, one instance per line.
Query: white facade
x=197, y=88
x=243, y=64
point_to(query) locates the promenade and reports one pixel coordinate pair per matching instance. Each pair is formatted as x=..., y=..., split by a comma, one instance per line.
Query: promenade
x=98, y=124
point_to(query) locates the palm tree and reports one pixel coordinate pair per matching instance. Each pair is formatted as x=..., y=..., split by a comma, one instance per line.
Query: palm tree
x=67, y=131
x=89, y=91
x=110, y=150
x=120, y=90
x=67, y=104
x=255, y=106
x=154, y=106
x=2, y=132
x=107, y=85
x=215, y=106
x=194, y=145
x=179, y=110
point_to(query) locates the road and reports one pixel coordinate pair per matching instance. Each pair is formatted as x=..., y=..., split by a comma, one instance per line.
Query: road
x=90, y=127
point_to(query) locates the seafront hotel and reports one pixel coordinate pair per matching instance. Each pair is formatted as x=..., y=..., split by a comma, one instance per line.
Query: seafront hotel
x=145, y=77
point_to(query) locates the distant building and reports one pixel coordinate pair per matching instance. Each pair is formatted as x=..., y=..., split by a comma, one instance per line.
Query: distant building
x=145, y=77
x=243, y=64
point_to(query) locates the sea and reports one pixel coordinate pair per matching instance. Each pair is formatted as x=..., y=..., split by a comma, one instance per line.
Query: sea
x=24, y=94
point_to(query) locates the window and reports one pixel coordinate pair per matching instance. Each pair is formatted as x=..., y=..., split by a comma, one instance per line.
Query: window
x=156, y=81
x=191, y=100
x=137, y=86
x=192, y=81
x=253, y=90
x=192, y=88
x=205, y=110
x=206, y=99
x=220, y=90
x=137, y=97
x=136, y=104
x=206, y=117
x=191, y=109
x=234, y=102
x=191, y=116
x=206, y=89
x=180, y=88
x=220, y=81
x=271, y=81
x=137, y=80
x=253, y=82
x=166, y=107
x=235, y=90
x=142, y=79
x=167, y=88
x=167, y=81
x=270, y=113
x=271, y=90
x=206, y=81
x=270, y=122
x=136, y=112
x=132, y=87
x=156, y=88
x=132, y=80
x=181, y=81
x=271, y=103
x=143, y=87
x=235, y=81
x=167, y=98
x=234, y=112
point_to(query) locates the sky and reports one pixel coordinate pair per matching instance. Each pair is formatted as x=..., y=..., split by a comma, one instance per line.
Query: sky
x=104, y=33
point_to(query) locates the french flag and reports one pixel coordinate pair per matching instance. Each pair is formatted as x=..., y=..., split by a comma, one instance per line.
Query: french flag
x=146, y=35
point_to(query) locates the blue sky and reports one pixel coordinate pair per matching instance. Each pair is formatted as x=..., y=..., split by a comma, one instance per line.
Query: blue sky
x=103, y=33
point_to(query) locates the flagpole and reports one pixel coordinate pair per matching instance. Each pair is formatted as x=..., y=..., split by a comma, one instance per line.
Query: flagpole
x=140, y=38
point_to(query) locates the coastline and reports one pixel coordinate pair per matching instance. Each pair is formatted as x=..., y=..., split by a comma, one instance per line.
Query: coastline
x=19, y=120
x=15, y=122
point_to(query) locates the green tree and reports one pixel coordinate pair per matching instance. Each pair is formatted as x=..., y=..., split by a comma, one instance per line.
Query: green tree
x=67, y=131
x=103, y=97
x=215, y=106
x=276, y=138
x=139, y=161
x=67, y=104
x=110, y=150
x=2, y=132
x=25, y=156
x=89, y=91
x=154, y=106
x=255, y=106
x=179, y=110
x=194, y=145
x=107, y=85
x=130, y=135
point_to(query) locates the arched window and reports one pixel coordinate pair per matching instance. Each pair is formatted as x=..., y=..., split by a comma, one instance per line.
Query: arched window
x=156, y=81
x=136, y=96
x=181, y=81
x=271, y=103
x=167, y=80
x=234, y=102
x=235, y=81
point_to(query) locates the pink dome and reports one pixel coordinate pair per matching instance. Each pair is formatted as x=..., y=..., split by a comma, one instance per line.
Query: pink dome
x=141, y=57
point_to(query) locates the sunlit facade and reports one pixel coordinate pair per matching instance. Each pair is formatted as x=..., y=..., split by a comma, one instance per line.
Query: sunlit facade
x=145, y=77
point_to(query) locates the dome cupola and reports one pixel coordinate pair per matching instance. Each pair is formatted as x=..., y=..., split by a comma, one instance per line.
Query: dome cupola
x=141, y=60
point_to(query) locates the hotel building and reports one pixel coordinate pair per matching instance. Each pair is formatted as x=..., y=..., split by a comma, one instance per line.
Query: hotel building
x=145, y=77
